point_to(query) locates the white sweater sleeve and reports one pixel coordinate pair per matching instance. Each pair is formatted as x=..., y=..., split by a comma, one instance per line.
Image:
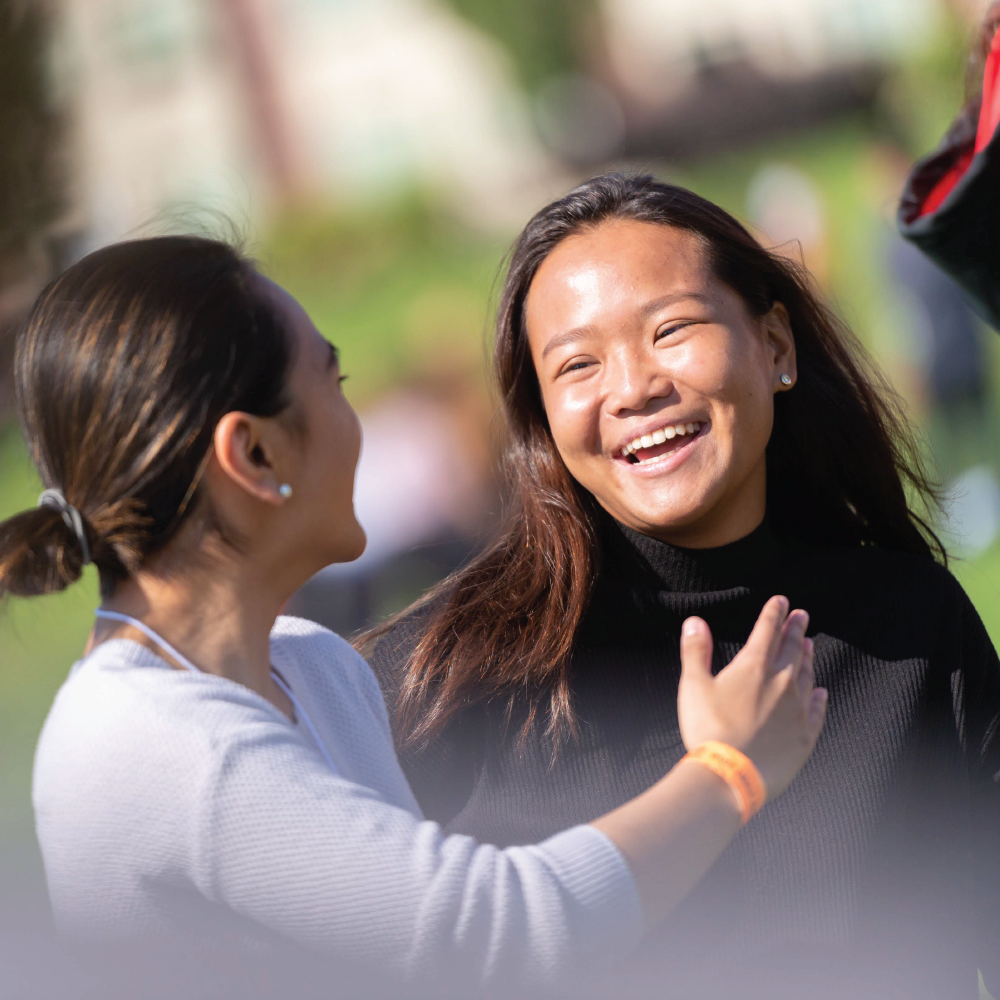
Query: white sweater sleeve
x=201, y=785
x=331, y=864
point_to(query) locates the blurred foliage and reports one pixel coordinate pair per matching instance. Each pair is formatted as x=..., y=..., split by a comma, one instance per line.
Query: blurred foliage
x=924, y=94
x=543, y=37
x=29, y=184
x=402, y=289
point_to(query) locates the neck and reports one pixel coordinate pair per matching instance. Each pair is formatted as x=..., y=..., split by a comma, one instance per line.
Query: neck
x=633, y=556
x=221, y=621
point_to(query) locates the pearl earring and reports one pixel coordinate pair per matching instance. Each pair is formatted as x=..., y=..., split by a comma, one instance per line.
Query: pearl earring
x=786, y=380
x=285, y=490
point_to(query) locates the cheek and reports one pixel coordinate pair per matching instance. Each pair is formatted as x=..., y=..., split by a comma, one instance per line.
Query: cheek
x=348, y=450
x=335, y=443
x=573, y=415
x=745, y=413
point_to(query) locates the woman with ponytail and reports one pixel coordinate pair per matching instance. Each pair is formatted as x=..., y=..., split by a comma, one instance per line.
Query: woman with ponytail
x=213, y=772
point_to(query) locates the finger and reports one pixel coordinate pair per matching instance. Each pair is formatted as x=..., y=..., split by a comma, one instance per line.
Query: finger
x=766, y=634
x=806, y=679
x=696, y=649
x=816, y=716
x=792, y=647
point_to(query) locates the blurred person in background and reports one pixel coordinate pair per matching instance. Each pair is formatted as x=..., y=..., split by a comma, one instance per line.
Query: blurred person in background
x=689, y=427
x=212, y=775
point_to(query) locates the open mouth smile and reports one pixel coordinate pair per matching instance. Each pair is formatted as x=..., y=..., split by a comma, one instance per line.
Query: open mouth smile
x=654, y=447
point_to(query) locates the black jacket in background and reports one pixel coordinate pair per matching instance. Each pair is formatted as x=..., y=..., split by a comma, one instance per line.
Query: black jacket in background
x=963, y=235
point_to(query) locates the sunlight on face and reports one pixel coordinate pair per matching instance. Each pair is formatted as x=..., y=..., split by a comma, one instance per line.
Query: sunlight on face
x=657, y=382
x=329, y=449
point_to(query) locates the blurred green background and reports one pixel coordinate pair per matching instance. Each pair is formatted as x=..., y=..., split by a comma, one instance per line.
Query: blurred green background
x=403, y=284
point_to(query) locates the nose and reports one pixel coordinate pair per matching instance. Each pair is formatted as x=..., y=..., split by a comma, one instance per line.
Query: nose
x=633, y=381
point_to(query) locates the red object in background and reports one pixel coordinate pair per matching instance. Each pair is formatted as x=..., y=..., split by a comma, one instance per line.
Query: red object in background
x=989, y=121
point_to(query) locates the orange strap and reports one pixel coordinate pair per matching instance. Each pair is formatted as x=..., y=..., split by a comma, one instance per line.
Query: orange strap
x=737, y=770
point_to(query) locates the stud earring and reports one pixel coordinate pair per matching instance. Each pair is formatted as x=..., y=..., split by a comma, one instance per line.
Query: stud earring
x=786, y=380
x=285, y=490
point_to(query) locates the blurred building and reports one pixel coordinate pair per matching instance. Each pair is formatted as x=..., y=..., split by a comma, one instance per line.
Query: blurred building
x=658, y=46
x=239, y=105
x=694, y=77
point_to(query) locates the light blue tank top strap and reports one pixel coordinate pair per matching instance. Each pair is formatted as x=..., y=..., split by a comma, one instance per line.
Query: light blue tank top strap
x=300, y=712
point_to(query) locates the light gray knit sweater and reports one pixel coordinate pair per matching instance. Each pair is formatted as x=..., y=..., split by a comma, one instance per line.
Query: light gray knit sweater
x=165, y=799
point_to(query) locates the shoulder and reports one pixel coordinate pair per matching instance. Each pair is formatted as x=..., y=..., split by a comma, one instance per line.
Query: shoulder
x=325, y=662
x=119, y=695
x=890, y=575
x=896, y=600
x=123, y=710
x=126, y=746
x=306, y=640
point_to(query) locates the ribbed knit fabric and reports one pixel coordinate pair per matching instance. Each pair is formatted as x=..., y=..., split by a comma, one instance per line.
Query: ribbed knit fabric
x=166, y=801
x=880, y=866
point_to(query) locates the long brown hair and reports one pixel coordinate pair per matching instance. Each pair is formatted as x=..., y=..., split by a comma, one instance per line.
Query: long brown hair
x=125, y=364
x=842, y=466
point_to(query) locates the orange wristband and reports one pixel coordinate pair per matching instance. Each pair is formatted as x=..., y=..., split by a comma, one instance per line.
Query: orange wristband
x=737, y=770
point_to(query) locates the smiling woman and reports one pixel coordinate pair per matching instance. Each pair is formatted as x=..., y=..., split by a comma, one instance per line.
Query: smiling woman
x=641, y=367
x=690, y=427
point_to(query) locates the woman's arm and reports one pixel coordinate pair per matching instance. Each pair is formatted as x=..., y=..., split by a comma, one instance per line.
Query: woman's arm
x=334, y=866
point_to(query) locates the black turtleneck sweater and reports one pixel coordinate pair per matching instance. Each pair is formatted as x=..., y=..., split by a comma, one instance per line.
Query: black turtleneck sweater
x=876, y=874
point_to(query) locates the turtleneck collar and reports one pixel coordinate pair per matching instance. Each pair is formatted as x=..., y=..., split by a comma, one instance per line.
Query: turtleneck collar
x=742, y=563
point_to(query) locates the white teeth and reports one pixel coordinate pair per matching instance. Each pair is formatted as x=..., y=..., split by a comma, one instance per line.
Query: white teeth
x=659, y=437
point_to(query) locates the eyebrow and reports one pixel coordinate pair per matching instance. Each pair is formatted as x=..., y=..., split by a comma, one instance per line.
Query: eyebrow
x=334, y=358
x=579, y=332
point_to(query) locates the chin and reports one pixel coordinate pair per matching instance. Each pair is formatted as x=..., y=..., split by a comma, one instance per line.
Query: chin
x=345, y=548
x=664, y=515
x=360, y=541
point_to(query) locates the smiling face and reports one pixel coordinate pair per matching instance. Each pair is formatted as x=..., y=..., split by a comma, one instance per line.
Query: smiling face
x=657, y=383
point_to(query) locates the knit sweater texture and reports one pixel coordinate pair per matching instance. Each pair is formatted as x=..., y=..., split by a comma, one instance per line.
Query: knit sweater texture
x=175, y=805
x=877, y=873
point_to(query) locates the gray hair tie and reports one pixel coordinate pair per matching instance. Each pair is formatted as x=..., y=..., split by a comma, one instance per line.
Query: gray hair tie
x=56, y=500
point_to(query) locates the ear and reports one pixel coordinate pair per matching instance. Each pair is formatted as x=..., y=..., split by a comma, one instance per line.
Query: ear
x=246, y=448
x=780, y=341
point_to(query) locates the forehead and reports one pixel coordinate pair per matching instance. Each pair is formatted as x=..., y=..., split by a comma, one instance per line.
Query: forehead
x=616, y=261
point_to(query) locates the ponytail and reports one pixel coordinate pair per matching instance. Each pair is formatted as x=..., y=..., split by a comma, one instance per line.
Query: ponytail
x=126, y=363
x=38, y=554
x=42, y=551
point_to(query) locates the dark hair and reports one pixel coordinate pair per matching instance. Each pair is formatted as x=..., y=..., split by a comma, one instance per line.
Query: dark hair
x=842, y=466
x=124, y=366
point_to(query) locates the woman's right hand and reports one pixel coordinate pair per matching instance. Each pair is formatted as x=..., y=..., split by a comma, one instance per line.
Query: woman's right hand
x=764, y=703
